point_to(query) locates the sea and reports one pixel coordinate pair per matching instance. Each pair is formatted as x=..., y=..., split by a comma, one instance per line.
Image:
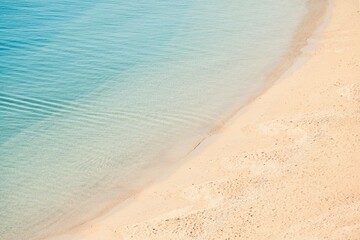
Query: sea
x=96, y=94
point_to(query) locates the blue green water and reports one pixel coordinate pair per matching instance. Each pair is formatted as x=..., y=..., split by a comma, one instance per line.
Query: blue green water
x=91, y=92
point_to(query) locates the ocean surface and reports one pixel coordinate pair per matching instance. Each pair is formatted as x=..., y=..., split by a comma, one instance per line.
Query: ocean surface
x=93, y=94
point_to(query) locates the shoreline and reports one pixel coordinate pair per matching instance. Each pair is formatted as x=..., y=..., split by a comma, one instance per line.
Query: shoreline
x=288, y=62
x=272, y=74
x=111, y=218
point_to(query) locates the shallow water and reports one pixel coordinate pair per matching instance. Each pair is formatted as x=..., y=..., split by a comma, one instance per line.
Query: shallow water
x=93, y=91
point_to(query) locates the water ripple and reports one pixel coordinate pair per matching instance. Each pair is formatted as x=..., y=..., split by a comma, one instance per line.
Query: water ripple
x=92, y=92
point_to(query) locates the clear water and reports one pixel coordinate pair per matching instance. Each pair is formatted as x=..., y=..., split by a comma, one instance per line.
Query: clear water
x=92, y=91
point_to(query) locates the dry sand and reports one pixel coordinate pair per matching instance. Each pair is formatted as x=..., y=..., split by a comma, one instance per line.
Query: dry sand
x=286, y=167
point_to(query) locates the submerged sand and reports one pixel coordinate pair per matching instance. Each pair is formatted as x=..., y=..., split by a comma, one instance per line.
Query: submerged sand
x=286, y=167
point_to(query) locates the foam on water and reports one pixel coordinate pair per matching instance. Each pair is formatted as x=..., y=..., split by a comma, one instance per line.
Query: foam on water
x=93, y=91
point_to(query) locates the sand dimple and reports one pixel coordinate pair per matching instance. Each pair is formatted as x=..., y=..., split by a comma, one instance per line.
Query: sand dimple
x=340, y=223
x=351, y=92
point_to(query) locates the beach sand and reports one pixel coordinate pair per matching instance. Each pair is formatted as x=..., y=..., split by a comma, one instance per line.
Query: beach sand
x=286, y=167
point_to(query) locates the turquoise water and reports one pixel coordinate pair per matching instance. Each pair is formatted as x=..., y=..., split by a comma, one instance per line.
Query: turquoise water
x=93, y=91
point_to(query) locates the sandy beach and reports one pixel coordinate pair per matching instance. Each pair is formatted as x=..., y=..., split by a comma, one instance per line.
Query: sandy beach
x=285, y=167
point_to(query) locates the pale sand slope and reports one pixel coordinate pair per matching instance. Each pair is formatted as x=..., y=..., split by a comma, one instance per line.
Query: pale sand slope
x=287, y=167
